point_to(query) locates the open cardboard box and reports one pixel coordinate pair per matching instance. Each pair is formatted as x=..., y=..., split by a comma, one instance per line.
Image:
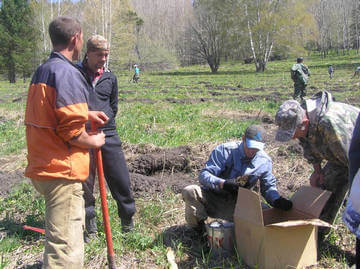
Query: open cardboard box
x=273, y=238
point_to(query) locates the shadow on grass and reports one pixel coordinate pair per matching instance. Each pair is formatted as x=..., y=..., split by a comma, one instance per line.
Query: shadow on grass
x=13, y=228
x=328, y=249
x=196, y=247
x=36, y=265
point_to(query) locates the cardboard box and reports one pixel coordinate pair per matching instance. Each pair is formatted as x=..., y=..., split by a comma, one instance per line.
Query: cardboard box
x=273, y=238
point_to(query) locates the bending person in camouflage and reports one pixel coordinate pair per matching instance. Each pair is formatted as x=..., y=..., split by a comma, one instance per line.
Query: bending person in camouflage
x=300, y=75
x=324, y=128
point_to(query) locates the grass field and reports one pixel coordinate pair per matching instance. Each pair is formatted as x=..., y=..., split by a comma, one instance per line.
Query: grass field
x=187, y=106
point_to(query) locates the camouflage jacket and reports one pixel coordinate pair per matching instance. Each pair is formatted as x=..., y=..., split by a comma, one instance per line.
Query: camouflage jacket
x=330, y=130
x=300, y=73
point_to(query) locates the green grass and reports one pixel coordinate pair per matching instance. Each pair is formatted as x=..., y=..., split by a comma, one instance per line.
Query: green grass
x=12, y=139
x=162, y=124
x=165, y=122
x=23, y=206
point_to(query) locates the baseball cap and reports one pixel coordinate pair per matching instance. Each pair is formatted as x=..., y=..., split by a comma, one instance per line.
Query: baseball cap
x=255, y=137
x=289, y=116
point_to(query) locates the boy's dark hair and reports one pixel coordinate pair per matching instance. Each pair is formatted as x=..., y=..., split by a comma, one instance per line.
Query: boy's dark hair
x=62, y=29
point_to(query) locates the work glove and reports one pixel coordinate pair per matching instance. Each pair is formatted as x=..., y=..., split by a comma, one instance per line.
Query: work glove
x=231, y=186
x=283, y=204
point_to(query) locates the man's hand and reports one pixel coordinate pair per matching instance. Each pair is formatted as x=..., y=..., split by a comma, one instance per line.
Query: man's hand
x=98, y=118
x=242, y=180
x=231, y=186
x=283, y=204
x=98, y=140
x=86, y=140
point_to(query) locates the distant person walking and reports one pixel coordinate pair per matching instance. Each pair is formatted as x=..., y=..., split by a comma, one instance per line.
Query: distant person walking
x=300, y=75
x=357, y=72
x=136, y=75
x=331, y=71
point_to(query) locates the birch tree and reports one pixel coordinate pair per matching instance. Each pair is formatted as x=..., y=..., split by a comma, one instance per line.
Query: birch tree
x=262, y=19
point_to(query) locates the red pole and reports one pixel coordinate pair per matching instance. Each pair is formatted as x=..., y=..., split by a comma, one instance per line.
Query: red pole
x=104, y=205
x=39, y=230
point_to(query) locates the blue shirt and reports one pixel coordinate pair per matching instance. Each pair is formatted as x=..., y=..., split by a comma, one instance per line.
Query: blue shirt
x=228, y=161
x=137, y=70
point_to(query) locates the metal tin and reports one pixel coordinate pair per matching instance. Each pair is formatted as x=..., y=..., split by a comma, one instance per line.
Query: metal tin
x=221, y=237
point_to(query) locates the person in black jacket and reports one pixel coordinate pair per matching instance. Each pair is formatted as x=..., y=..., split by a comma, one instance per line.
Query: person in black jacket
x=105, y=98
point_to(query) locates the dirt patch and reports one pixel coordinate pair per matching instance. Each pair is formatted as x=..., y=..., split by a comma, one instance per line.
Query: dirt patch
x=174, y=160
x=239, y=97
x=8, y=180
x=239, y=115
x=155, y=169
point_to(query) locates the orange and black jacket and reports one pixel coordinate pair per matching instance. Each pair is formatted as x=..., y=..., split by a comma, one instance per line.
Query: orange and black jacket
x=56, y=112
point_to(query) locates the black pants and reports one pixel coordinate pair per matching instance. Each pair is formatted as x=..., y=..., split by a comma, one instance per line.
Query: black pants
x=117, y=177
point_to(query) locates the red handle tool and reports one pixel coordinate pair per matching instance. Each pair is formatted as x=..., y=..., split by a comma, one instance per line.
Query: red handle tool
x=104, y=205
x=39, y=230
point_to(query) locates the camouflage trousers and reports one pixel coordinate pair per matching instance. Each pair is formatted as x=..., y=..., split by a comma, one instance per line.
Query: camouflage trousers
x=336, y=181
x=299, y=90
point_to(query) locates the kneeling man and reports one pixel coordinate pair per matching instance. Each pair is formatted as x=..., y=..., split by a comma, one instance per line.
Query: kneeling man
x=230, y=166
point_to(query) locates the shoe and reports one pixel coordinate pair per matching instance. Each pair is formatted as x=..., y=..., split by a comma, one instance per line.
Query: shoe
x=127, y=225
x=90, y=232
x=88, y=237
x=90, y=225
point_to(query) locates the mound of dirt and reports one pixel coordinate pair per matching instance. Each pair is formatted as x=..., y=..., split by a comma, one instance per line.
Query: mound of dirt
x=173, y=160
x=147, y=186
x=155, y=169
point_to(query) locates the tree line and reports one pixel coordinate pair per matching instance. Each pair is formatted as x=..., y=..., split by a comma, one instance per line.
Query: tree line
x=161, y=34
